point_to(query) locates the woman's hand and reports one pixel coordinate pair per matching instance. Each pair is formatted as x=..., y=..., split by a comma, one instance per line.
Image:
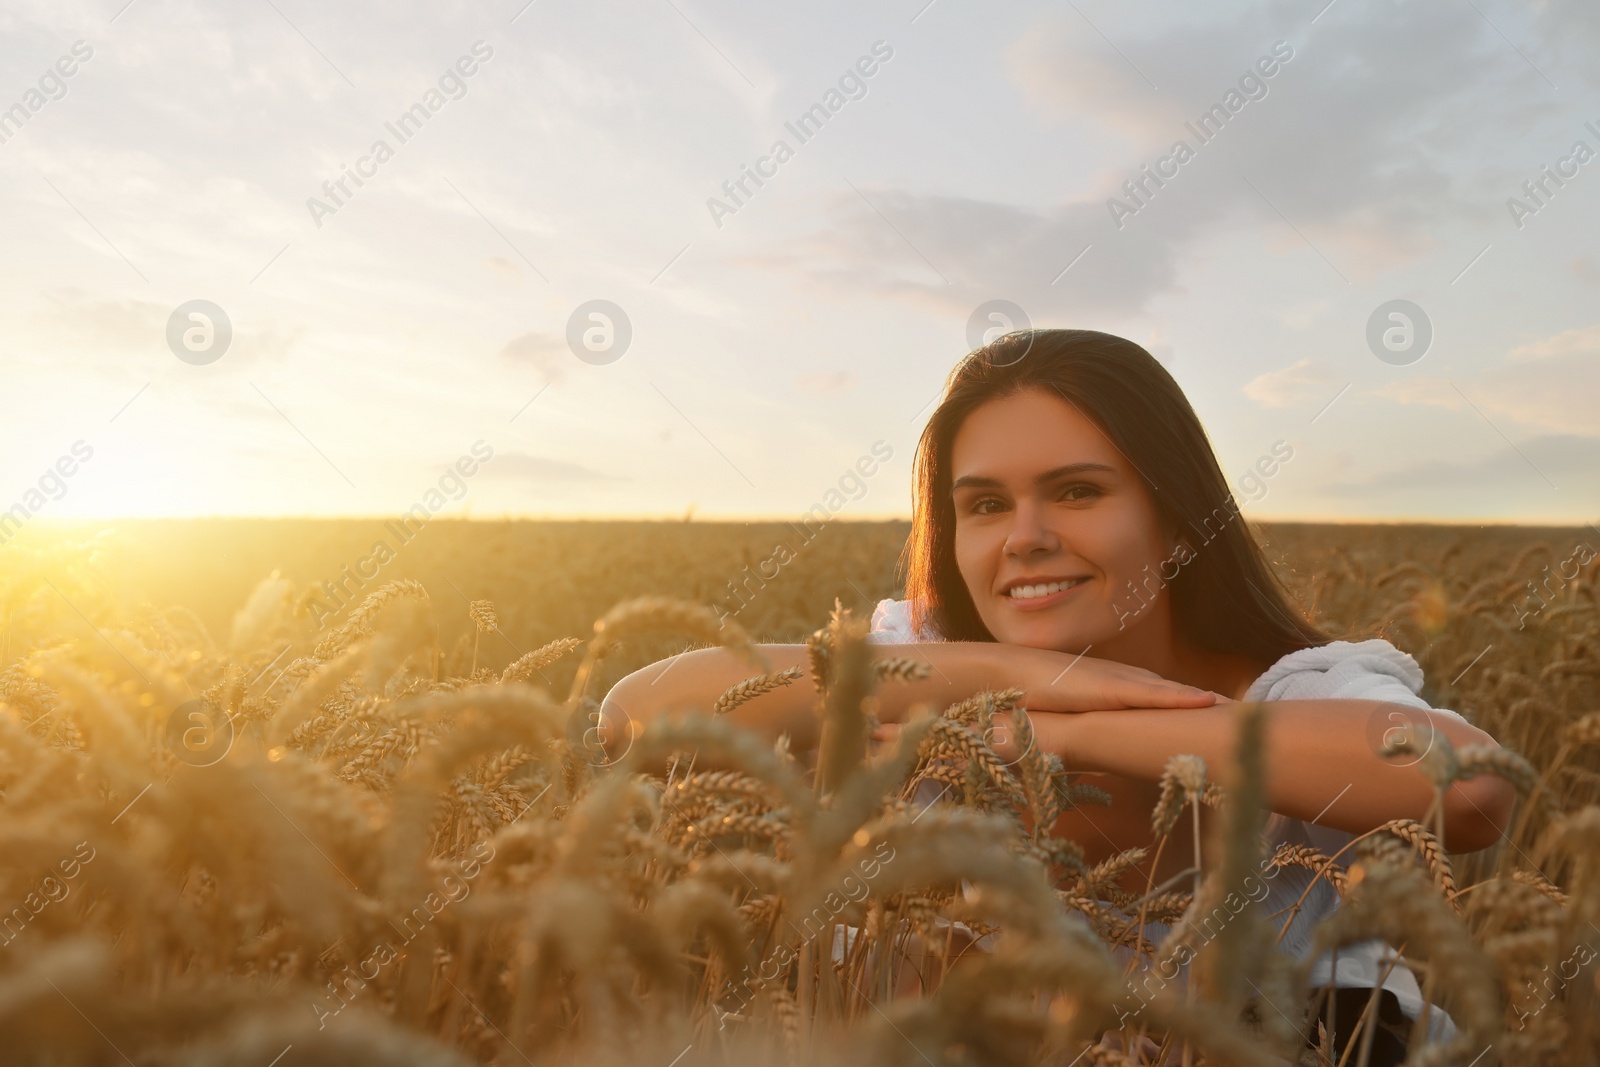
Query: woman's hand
x=1052, y=681
x=1057, y=685
x=1058, y=681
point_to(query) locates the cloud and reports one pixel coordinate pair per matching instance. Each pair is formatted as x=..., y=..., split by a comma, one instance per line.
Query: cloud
x=1556, y=394
x=1584, y=341
x=1298, y=383
x=1375, y=106
x=1156, y=344
x=1305, y=314
x=1506, y=482
x=117, y=325
x=522, y=467
x=1550, y=384
x=102, y=333
x=1585, y=268
x=1567, y=27
x=502, y=265
x=826, y=383
x=1435, y=392
x=546, y=353
x=949, y=254
x=1078, y=90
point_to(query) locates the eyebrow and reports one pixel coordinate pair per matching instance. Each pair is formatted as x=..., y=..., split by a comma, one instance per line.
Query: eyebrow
x=979, y=481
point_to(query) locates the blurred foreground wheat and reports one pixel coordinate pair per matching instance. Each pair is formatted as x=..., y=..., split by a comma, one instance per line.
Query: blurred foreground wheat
x=353, y=847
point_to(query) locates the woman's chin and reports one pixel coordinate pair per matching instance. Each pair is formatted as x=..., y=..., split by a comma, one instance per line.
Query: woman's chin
x=1068, y=627
x=1052, y=636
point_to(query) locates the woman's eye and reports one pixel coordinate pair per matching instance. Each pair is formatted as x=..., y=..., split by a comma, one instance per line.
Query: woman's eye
x=986, y=506
x=1080, y=492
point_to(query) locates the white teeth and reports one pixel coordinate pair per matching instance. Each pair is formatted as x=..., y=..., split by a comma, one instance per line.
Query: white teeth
x=1027, y=592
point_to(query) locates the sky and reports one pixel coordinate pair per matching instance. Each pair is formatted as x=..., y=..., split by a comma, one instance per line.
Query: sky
x=755, y=343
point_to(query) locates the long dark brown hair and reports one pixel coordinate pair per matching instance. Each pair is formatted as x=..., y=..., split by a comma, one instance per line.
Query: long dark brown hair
x=1226, y=599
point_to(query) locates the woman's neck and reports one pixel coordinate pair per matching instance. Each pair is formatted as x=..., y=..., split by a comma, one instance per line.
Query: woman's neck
x=1228, y=673
x=1156, y=646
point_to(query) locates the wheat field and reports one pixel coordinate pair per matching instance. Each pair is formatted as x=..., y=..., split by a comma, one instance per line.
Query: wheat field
x=252, y=816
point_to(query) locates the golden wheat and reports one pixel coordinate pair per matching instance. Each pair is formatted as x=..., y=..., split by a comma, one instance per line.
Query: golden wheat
x=401, y=855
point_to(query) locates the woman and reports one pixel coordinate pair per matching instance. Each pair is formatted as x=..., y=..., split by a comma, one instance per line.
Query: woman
x=1073, y=535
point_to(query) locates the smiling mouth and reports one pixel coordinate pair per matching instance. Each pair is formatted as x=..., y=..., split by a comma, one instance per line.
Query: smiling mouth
x=1042, y=589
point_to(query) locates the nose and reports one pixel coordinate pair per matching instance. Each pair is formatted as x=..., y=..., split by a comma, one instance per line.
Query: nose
x=1029, y=535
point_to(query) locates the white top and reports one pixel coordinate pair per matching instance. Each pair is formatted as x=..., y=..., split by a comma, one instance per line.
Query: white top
x=1358, y=670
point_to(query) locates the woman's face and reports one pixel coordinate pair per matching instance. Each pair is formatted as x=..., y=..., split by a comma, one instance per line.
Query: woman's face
x=1052, y=525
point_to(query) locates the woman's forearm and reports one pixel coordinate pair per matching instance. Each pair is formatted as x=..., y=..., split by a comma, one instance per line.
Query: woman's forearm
x=956, y=669
x=694, y=680
x=1320, y=762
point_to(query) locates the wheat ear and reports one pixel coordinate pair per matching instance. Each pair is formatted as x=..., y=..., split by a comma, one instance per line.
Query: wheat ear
x=751, y=688
x=539, y=658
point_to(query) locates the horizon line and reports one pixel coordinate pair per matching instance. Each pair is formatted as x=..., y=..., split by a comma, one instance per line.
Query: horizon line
x=691, y=517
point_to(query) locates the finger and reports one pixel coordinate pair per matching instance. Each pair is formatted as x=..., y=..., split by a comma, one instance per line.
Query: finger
x=1143, y=695
x=1168, y=695
x=1123, y=674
